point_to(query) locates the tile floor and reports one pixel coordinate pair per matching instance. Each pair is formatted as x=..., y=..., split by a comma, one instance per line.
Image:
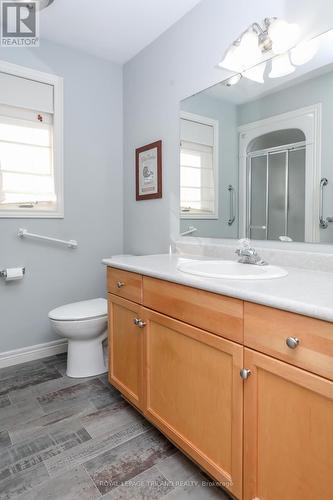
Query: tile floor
x=70, y=439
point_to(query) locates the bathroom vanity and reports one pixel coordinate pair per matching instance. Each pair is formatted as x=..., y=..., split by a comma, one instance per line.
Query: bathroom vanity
x=241, y=386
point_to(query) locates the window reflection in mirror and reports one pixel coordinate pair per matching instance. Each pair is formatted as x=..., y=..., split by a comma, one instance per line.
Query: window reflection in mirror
x=257, y=153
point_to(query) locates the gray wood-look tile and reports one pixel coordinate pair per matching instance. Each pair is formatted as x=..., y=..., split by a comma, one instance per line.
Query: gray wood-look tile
x=29, y=453
x=4, y=440
x=92, y=390
x=57, y=360
x=197, y=488
x=50, y=421
x=91, y=449
x=74, y=439
x=110, y=418
x=4, y=401
x=128, y=460
x=24, y=481
x=73, y=485
x=149, y=485
x=105, y=379
x=17, y=414
x=177, y=468
x=23, y=456
x=25, y=375
x=24, y=368
x=44, y=388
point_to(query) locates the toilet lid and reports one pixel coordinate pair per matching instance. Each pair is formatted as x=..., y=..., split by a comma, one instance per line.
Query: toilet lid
x=86, y=309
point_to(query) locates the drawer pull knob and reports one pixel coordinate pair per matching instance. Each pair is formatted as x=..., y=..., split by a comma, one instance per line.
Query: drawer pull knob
x=120, y=284
x=139, y=322
x=245, y=373
x=292, y=342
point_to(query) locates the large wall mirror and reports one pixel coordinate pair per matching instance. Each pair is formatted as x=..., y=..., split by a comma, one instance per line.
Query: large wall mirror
x=256, y=159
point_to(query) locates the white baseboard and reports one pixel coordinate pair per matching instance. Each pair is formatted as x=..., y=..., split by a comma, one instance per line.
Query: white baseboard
x=32, y=352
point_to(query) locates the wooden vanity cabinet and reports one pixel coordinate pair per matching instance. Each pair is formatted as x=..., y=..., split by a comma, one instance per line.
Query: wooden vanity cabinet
x=288, y=432
x=245, y=390
x=194, y=394
x=126, y=349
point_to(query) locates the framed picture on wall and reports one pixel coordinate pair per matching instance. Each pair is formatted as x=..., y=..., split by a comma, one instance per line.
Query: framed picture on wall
x=148, y=166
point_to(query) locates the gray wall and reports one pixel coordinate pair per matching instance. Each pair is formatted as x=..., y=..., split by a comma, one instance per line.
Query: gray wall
x=226, y=114
x=178, y=64
x=93, y=199
x=313, y=91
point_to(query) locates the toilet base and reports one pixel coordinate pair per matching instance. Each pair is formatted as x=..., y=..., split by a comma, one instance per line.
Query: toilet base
x=85, y=358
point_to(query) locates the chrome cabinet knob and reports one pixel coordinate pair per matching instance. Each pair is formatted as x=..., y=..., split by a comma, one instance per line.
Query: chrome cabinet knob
x=120, y=284
x=139, y=322
x=292, y=342
x=245, y=373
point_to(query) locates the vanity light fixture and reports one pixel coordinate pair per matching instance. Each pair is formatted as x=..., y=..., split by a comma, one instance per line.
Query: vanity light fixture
x=247, y=55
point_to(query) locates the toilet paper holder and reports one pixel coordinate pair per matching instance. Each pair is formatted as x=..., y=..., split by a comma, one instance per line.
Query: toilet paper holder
x=3, y=272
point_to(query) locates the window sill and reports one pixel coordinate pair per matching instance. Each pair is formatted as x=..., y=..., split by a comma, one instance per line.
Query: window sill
x=30, y=215
x=199, y=217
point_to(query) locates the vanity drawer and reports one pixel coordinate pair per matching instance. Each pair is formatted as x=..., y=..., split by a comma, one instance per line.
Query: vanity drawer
x=209, y=311
x=267, y=330
x=125, y=284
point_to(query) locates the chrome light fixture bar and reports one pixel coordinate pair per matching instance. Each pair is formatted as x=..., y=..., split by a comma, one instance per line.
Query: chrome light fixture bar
x=247, y=56
x=40, y=4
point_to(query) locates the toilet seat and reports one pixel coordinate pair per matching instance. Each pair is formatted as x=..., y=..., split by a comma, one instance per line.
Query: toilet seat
x=78, y=311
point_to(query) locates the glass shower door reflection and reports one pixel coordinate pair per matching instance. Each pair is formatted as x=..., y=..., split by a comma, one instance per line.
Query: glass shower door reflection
x=276, y=194
x=257, y=196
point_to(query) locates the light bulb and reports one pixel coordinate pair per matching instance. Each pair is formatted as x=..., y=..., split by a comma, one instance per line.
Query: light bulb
x=243, y=55
x=283, y=35
x=231, y=60
x=256, y=74
x=304, y=51
x=250, y=52
x=281, y=66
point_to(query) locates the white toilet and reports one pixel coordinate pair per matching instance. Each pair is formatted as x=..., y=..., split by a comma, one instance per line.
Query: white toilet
x=84, y=324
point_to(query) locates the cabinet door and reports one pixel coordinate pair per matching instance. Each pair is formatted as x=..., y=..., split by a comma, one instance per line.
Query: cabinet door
x=288, y=415
x=195, y=394
x=125, y=349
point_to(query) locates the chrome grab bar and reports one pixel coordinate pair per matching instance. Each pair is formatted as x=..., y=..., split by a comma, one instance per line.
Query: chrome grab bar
x=232, y=202
x=190, y=230
x=323, y=221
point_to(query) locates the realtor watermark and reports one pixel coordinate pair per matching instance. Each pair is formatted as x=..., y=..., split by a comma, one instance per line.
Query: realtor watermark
x=19, y=24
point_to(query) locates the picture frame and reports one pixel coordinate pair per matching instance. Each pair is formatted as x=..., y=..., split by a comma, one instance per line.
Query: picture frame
x=148, y=170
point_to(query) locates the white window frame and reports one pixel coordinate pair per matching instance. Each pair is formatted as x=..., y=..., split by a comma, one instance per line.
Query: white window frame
x=58, y=134
x=215, y=124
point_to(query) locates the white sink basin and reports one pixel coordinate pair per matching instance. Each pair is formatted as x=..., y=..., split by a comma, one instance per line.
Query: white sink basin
x=230, y=270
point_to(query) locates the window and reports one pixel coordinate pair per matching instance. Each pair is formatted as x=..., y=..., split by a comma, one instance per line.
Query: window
x=198, y=167
x=26, y=161
x=30, y=161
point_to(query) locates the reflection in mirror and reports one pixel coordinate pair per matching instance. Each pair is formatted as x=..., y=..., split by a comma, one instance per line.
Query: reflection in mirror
x=256, y=159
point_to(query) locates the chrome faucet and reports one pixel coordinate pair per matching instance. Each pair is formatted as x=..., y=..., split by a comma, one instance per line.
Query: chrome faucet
x=248, y=255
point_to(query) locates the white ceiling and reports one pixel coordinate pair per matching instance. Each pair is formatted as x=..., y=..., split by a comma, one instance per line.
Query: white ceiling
x=112, y=29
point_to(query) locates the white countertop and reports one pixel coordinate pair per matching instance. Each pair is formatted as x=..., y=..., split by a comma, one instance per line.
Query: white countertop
x=303, y=291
